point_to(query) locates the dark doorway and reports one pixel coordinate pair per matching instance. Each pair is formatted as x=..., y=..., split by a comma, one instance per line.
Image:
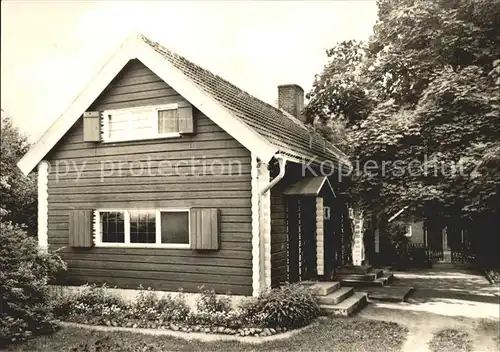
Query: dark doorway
x=301, y=214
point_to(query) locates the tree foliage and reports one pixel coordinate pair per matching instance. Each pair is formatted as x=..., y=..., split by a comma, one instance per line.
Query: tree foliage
x=17, y=192
x=420, y=105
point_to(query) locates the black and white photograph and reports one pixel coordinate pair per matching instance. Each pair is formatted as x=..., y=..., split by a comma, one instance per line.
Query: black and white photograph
x=245, y=175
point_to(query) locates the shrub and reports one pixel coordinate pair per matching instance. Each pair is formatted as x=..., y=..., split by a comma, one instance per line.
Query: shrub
x=25, y=305
x=289, y=306
x=209, y=302
x=150, y=307
x=174, y=308
x=92, y=301
x=214, y=310
x=97, y=305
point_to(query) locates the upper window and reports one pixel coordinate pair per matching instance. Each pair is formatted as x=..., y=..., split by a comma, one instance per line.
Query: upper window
x=141, y=123
x=143, y=228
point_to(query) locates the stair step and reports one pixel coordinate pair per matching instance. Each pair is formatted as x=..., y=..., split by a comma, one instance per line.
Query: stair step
x=389, y=277
x=324, y=288
x=355, y=269
x=374, y=274
x=337, y=296
x=390, y=293
x=348, y=306
x=381, y=281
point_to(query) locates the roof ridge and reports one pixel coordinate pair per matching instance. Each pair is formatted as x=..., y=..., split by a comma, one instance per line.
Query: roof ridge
x=311, y=131
x=259, y=105
x=162, y=47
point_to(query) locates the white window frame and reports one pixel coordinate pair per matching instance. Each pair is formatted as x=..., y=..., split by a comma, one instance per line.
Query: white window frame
x=327, y=211
x=131, y=135
x=126, y=217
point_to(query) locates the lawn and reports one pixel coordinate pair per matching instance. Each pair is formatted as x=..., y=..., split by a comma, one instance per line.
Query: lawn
x=451, y=340
x=344, y=334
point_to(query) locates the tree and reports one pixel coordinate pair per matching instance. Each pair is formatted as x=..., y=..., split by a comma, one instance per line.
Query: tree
x=18, y=202
x=421, y=106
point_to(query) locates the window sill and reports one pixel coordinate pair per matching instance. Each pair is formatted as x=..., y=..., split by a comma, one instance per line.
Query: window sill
x=144, y=245
x=160, y=136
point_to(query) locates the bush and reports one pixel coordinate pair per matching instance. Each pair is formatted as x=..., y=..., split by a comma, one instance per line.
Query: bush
x=91, y=301
x=149, y=307
x=213, y=310
x=97, y=305
x=25, y=305
x=289, y=306
x=209, y=302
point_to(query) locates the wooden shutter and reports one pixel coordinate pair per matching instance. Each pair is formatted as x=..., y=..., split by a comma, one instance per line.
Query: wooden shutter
x=185, y=116
x=91, y=126
x=204, y=229
x=80, y=228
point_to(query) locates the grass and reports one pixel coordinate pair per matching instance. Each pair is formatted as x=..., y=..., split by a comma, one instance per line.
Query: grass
x=491, y=328
x=347, y=334
x=451, y=340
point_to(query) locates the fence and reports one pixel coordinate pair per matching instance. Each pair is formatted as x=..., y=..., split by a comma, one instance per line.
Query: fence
x=462, y=254
x=410, y=255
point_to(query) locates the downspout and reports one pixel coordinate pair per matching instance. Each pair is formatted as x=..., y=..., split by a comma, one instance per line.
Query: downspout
x=281, y=174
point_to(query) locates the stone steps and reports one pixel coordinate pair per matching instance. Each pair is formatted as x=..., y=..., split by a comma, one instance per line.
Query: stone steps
x=324, y=288
x=389, y=293
x=348, y=306
x=336, y=300
x=372, y=275
x=337, y=296
x=355, y=269
x=360, y=282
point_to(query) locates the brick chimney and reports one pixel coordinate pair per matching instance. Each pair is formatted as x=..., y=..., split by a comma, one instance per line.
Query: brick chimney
x=291, y=99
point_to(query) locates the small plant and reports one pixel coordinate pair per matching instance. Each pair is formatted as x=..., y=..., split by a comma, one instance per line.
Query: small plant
x=289, y=306
x=91, y=304
x=214, y=310
x=96, y=305
x=89, y=300
x=209, y=302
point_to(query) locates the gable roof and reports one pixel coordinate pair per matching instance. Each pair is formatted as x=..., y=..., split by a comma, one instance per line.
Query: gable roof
x=311, y=186
x=263, y=129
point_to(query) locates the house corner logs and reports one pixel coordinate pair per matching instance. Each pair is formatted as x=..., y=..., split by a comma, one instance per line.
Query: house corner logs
x=358, y=254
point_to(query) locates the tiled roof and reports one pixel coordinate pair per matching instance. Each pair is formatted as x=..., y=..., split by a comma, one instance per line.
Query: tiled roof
x=288, y=134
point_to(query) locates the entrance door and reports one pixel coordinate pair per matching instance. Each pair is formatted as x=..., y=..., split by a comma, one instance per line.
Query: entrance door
x=307, y=210
x=301, y=215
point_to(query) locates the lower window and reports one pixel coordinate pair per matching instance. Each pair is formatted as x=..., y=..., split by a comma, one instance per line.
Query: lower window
x=113, y=227
x=143, y=228
x=174, y=227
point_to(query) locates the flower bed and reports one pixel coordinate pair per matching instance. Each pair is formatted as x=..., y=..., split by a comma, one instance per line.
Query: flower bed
x=275, y=311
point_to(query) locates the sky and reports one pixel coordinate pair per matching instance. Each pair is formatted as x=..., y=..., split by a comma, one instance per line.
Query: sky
x=51, y=49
